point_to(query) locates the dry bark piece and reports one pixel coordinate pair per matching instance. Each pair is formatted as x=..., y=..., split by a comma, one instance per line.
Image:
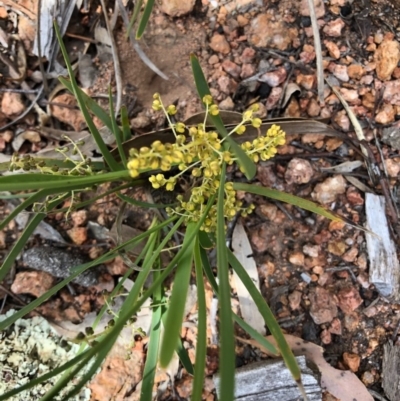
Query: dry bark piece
x=251, y=383
x=384, y=270
x=390, y=369
x=344, y=385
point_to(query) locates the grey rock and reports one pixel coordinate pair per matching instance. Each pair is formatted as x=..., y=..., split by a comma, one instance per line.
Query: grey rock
x=59, y=263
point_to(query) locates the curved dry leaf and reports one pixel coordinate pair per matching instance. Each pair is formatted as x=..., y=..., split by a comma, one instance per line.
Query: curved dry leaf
x=342, y=384
x=291, y=89
x=358, y=184
x=346, y=167
x=231, y=119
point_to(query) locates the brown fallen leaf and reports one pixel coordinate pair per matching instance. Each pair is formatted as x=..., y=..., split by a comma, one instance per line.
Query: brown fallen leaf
x=342, y=384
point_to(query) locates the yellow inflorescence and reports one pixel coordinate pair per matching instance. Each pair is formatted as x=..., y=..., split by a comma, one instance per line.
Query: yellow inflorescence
x=202, y=152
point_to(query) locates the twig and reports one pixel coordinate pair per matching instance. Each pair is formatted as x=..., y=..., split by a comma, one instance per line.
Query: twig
x=28, y=109
x=341, y=268
x=135, y=44
x=117, y=66
x=15, y=90
x=83, y=38
x=318, y=52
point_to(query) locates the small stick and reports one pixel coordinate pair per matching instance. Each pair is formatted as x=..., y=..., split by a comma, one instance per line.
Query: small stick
x=318, y=52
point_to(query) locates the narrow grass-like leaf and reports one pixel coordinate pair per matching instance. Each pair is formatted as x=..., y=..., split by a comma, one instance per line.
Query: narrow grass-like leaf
x=184, y=357
x=248, y=166
x=227, y=349
x=28, y=231
x=268, y=316
x=136, y=10
x=173, y=323
x=115, y=129
x=180, y=349
x=146, y=392
x=253, y=333
x=287, y=198
x=126, y=129
x=205, y=241
x=201, y=343
x=114, y=166
x=19, y=245
x=64, y=183
x=144, y=18
x=25, y=204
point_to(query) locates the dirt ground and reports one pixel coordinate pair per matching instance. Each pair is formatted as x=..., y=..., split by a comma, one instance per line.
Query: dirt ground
x=314, y=273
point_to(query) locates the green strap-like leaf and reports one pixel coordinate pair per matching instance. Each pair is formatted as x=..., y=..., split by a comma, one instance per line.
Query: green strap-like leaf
x=201, y=343
x=115, y=129
x=146, y=392
x=176, y=307
x=227, y=349
x=268, y=316
x=287, y=198
x=253, y=333
x=126, y=128
x=145, y=18
x=37, y=181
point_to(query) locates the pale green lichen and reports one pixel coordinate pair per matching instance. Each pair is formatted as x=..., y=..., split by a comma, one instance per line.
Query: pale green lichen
x=28, y=349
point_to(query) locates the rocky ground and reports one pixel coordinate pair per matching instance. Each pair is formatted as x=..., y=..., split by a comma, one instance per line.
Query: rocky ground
x=314, y=273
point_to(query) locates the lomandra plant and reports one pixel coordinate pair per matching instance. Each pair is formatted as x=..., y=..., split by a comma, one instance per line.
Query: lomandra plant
x=199, y=154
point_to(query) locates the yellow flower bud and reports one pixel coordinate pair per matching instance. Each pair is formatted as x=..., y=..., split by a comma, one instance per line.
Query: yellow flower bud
x=133, y=164
x=256, y=122
x=240, y=129
x=154, y=164
x=255, y=107
x=133, y=173
x=248, y=115
x=214, y=111
x=196, y=172
x=170, y=186
x=207, y=99
x=180, y=127
x=156, y=105
x=171, y=109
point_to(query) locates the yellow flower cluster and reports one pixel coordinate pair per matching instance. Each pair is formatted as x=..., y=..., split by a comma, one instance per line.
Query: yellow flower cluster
x=201, y=152
x=265, y=147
